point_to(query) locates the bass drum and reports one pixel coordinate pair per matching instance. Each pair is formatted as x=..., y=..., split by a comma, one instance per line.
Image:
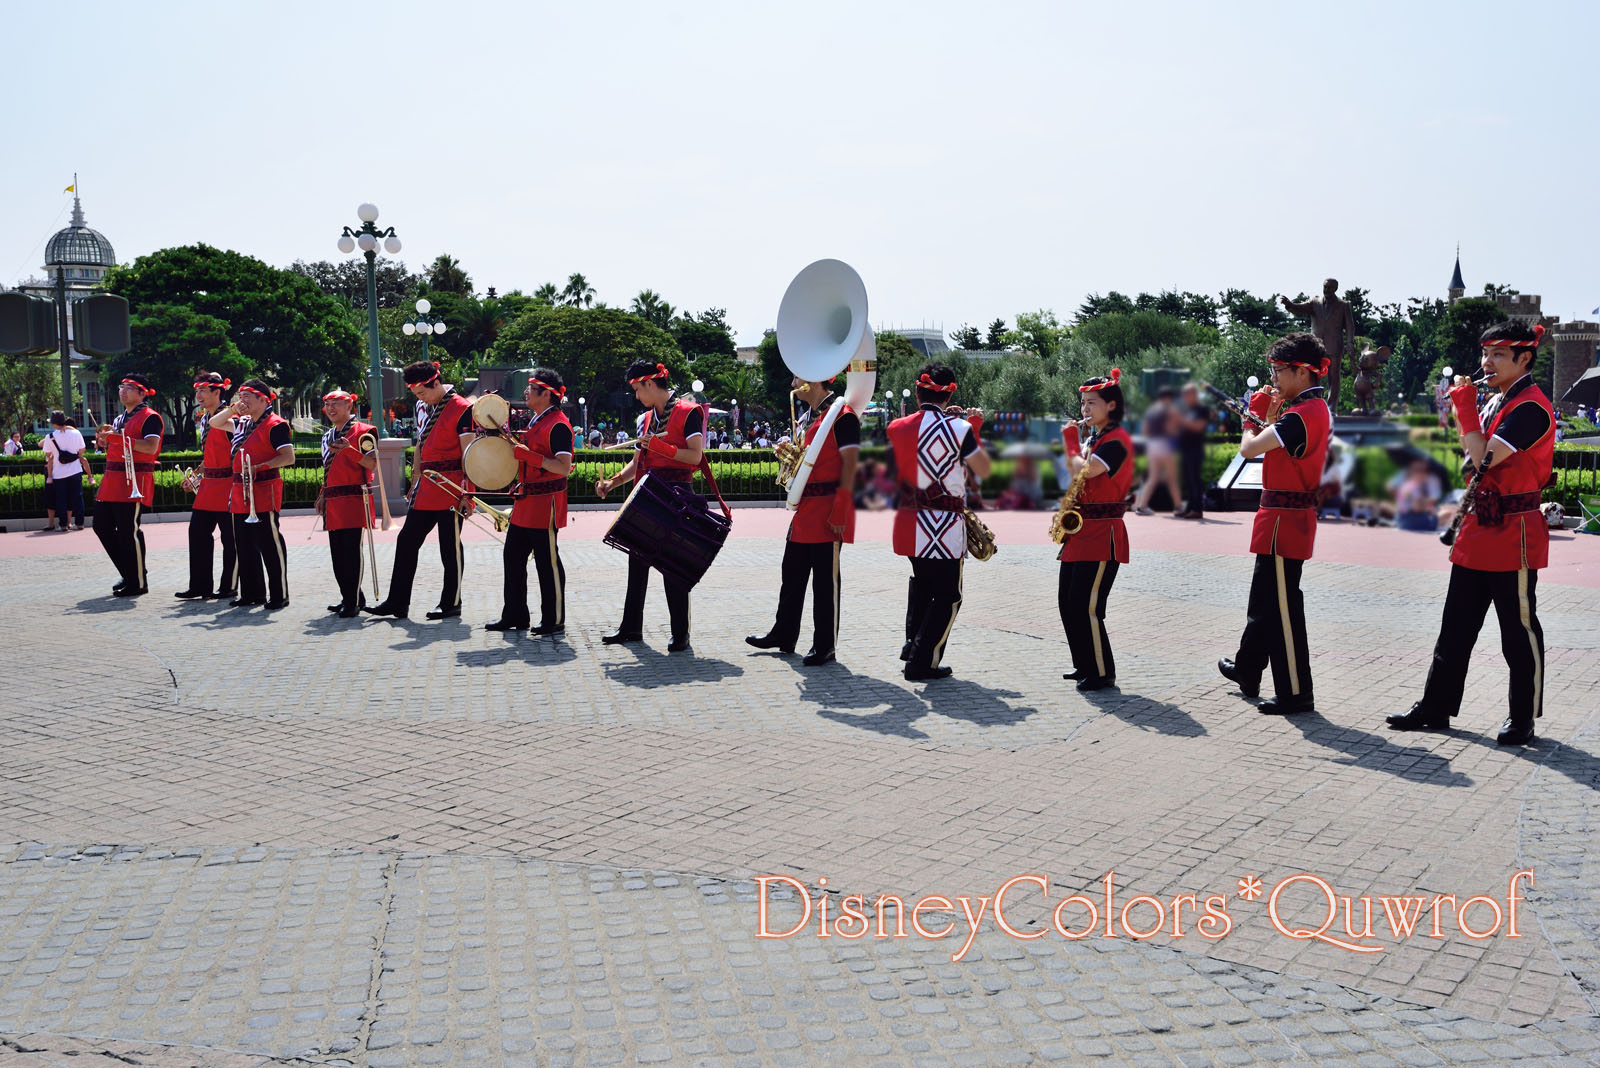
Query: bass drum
x=490, y=464
x=491, y=411
x=668, y=526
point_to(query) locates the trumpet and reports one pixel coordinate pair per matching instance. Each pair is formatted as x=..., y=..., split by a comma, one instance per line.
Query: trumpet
x=129, y=471
x=191, y=480
x=250, y=489
x=501, y=519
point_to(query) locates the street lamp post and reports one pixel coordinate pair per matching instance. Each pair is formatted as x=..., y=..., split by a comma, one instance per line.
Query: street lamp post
x=367, y=238
x=583, y=419
x=424, y=325
x=905, y=394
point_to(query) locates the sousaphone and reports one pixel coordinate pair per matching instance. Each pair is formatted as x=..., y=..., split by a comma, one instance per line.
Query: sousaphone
x=822, y=330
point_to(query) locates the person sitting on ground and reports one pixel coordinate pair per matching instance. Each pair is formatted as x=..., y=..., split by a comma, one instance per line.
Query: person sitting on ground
x=1416, y=497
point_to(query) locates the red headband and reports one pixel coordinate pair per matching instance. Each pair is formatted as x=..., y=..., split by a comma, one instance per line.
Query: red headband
x=340, y=394
x=429, y=381
x=268, y=397
x=1322, y=368
x=1115, y=377
x=140, y=386
x=224, y=384
x=558, y=391
x=929, y=384
x=660, y=372
x=1508, y=343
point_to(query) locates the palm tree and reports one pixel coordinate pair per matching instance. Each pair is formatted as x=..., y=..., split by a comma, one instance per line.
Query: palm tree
x=579, y=293
x=547, y=294
x=445, y=274
x=649, y=306
x=476, y=324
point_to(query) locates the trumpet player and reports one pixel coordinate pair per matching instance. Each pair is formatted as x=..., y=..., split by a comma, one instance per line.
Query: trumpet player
x=539, y=509
x=131, y=443
x=444, y=430
x=1102, y=468
x=824, y=521
x=346, y=502
x=933, y=449
x=210, y=510
x=261, y=444
x=1293, y=442
x=1503, y=541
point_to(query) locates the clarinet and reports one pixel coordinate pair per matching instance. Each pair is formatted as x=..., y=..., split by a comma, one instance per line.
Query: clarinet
x=1234, y=406
x=1469, y=498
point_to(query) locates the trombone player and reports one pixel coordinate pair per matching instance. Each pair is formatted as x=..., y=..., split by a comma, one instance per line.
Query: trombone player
x=539, y=509
x=131, y=444
x=210, y=509
x=262, y=443
x=346, y=501
x=824, y=520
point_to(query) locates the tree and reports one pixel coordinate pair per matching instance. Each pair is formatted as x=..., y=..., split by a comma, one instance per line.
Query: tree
x=1455, y=338
x=995, y=340
x=1094, y=305
x=295, y=334
x=446, y=276
x=474, y=326
x=547, y=294
x=966, y=336
x=649, y=306
x=1252, y=311
x=171, y=344
x=1122, y=334
x=591, y=348
x=776, y=376
x=347, y=280
x=1024, y=383
x=1037, y=332
x=702, y=336
x=30, y=387
x=578, y=293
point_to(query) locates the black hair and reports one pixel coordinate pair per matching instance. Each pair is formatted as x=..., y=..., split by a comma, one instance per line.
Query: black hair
x=1523, y=336
x=58, y=418
x=551, y=380
x=645, y=369
x=1299, y=348
x=422, y=371
x=210, y=380
x=1111, y=393
x=260, y=386
x=940, y=375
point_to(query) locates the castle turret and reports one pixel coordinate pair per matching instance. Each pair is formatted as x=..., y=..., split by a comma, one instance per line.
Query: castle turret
x=1575, y=351
x=1458, y=288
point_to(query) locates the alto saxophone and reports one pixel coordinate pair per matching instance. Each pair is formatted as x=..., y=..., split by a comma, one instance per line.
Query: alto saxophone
x=1068, y=520
x=980, y=539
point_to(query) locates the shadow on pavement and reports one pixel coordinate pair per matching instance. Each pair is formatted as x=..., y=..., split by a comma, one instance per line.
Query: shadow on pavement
x=654, y=668
x=534, y=652
x=1378, y=752
x=1145, y=713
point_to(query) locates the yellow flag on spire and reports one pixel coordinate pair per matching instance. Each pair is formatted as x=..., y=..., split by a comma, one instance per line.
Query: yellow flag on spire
x=73, y=188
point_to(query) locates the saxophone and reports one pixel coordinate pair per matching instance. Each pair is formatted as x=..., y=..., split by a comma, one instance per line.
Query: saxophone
x=1068, y=520
x=980, y=539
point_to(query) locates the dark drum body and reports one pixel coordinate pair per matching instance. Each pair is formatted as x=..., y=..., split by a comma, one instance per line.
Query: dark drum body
x=667, y=525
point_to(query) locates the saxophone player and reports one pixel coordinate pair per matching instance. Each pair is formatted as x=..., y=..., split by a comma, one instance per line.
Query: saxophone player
x=1102, y=471
x=825, y=520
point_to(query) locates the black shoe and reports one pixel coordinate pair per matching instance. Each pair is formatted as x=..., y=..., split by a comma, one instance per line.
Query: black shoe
x=500, y=624
x=914, y=674
x=281, y=602
x=816, y=659
x=384, y=608
x=544, y=630
x=1096, y=682
x=1419, y=718
x=1250, y=687
x=336, y=607
x=221, y=594
x=349, y=611
x=444, y=613
x=240, y=602
x=1512, y=733
x=1287, y=706
x=767, y=641
x=119, y=587
x=131, y=591
x=1075, y=674
x=905, y=652
x=192, y=595
x=678, y=645
x=622, y=637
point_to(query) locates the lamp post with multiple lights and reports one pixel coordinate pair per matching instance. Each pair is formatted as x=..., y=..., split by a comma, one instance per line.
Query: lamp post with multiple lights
x=366, y=239
x=424, y=325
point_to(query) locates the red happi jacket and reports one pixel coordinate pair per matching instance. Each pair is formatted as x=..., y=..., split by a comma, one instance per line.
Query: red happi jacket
x=216, y=470
x=825, y=502
x=268, y=484
x=677, y=418
x=1520, y=539
x=140, y=423
x=1104, y=535
x=344, y=500
x=540, y=497
x=1288, y=529
x=441, y=451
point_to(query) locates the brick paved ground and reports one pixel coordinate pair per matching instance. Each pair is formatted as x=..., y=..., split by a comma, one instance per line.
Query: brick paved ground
x=289, y=836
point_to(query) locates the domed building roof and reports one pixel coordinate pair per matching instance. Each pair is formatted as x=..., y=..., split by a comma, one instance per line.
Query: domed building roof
x=79, y=246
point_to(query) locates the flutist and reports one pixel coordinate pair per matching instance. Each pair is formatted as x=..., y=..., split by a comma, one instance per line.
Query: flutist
x=131, y=443
x=261, y=445
x=1293, y=444
x=210, y=509
x=1102, y=471
x=1503, y=540
x=347, y=505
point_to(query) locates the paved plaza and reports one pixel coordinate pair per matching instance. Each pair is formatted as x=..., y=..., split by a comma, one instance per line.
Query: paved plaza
x=231, y=838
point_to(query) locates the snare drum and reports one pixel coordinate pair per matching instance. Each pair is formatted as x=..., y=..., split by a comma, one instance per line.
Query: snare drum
x=667, y=525
x=491, y=411
x=490, y=463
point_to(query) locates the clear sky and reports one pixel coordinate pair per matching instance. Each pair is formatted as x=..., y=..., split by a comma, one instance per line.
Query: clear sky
x=970, y=160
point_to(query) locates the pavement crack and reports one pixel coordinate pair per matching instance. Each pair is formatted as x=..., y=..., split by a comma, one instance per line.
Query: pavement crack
x=375, y=978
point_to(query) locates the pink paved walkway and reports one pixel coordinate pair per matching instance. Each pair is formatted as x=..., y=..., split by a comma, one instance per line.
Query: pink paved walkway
x=1574, y=558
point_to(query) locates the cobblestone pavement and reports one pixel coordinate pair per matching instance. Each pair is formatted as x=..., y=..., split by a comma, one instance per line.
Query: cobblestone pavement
x=254, y=838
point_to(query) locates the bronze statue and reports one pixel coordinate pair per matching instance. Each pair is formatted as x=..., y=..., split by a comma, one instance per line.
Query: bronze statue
x=1334, y=326
x=1369, y=379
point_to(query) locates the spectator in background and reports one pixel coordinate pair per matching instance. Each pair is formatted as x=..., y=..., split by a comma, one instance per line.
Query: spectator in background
x=1441, y=402
x=1160, y=462
x=1193, y=420
x=597, y=437
x=66, y=468
x=1416, y=497
x=14, y=444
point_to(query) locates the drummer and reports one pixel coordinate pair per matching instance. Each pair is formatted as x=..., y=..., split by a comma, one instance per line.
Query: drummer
x=670, y=446
x=539, y=509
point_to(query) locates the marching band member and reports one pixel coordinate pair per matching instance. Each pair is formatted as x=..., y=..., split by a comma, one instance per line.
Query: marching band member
x=539, y=509
x=347, y=507
x=670, y=445
x=444, y=430
x=1503, y=541
x=933, y=450
x=825, y=520
x=1090, y=558
x=210, y=509
x=133, y=442
x=263, y=440
x=1294, y=445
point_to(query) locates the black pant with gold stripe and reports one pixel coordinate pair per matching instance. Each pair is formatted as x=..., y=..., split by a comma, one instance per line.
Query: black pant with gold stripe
x=202, y=522
x=818, y=563
x=933, y=598
x=116, y=524
x=1514, y=596
x=413, y=532
x=344, y=546
x=1081, y=596
x=260, y=547
x=1275, y=631
x=520, y=541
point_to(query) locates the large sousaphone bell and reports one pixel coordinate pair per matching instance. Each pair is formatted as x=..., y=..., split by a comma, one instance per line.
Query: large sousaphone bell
x=822, y=330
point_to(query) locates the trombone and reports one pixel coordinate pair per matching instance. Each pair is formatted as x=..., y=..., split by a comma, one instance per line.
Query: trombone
x=500, y=519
